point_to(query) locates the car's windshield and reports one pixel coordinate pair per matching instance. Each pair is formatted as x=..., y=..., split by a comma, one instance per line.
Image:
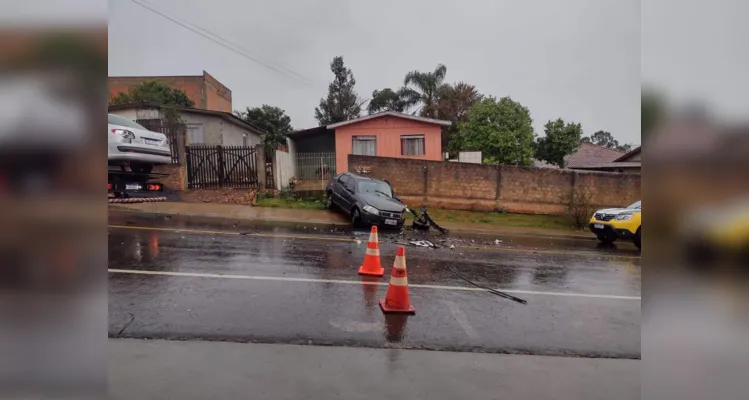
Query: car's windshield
x=378, y=187
x=122, y=121
x=634, y=206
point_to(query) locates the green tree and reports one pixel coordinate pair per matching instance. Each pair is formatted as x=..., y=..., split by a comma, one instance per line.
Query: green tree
x=605, y=139
x=154, y=92
x=342, y=102
x=501, y=129
x=422, y=88
x=271, y=120
x=159, y=93
x=561, y=140
x=454, y=103
x=387, y=100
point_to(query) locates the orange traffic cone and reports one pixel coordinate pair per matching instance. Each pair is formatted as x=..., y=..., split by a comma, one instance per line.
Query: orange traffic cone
x=371, y=265
x=396, y=299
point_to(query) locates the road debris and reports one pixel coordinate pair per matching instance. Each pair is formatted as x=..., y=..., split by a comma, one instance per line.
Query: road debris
x=422, y=221
x=488, y=289
x=423, y=243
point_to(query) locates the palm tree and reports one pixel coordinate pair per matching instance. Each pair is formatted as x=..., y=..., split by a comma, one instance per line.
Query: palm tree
x=423, y=88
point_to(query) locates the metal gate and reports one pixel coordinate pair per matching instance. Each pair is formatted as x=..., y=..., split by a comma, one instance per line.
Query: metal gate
x=270, y=161
x=211, y=166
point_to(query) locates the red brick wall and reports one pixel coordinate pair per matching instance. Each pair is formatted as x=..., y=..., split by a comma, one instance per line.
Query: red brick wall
x=490, y=187
x=177, y=176
x=217, y=96
x=205, y=90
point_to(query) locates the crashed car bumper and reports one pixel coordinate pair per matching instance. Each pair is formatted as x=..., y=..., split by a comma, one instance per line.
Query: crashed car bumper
x=382, y=221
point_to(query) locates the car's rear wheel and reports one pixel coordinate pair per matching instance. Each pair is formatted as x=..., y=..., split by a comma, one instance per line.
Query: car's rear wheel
x=637, y=239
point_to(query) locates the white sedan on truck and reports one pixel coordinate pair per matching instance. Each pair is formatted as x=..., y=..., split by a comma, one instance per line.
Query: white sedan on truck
x=132, y=144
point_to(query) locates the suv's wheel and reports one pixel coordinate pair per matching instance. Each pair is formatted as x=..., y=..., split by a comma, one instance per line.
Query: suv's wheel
x=638, y=237
x=329, y=201
x=355, y=218
x=606, y=239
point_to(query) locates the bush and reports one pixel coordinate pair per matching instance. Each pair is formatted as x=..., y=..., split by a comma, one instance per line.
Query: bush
x=580, y=208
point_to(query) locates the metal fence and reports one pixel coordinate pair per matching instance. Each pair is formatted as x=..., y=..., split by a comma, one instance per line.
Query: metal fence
x=315, y=166
x=221, y=166
x=172, y=132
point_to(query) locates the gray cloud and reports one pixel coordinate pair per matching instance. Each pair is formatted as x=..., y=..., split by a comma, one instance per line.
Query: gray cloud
x=577, y=59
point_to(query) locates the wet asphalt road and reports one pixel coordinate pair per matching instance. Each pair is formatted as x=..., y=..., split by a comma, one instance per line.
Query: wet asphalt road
x=176, y=280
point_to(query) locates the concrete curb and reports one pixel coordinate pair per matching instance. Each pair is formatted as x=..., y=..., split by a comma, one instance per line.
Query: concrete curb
x=330, y=224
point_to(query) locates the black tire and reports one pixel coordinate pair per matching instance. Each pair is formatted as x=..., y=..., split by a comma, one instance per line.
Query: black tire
x=606, y=239
x=329, y=201
x=638, y=239
x=142, y=168
x=355, y=218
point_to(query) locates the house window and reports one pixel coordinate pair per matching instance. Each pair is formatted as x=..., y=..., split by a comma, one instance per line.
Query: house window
x=364, y=146
x=244, y=139
x=412, y=145
x=195, y=134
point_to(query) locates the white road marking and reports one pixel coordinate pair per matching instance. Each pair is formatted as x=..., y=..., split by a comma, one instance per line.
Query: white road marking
x=347, y=282
x=461, y=319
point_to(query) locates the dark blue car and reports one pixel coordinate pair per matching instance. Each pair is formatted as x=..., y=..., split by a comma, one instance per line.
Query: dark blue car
x=367, y=201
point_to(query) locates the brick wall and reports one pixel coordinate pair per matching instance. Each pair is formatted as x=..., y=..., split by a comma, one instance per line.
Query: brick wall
x=192, y=85
x=218, y=96
x=205, y=90
x=177, y=176
x=489, y=187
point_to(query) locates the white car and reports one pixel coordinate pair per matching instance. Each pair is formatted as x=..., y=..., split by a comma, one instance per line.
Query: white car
x=132, y=144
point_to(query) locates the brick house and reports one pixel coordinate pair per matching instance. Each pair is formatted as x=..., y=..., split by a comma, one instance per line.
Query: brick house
x=205, y=90
x=629, y=162
x=321, y=152
x=590, y=157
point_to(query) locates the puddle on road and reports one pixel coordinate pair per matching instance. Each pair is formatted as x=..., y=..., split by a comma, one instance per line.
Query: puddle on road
x=402, y=237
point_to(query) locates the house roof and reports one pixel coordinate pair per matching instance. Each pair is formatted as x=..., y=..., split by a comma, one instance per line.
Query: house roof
x=629, y=154
x=307, y=133
x=391, y=114
x=590, y=154
x=619, y=164
x=225, y=115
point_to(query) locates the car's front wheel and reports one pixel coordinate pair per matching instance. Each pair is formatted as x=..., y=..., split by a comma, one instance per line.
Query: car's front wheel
x=606, y=239
x=329, y=201
x=355, y=218
x=638, y=238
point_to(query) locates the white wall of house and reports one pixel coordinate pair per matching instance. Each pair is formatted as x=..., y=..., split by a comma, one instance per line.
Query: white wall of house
x=292, y=153
x=283, y=169
x=471, y=157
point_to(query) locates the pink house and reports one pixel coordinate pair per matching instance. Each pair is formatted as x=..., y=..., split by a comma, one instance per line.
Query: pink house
x=323, y=151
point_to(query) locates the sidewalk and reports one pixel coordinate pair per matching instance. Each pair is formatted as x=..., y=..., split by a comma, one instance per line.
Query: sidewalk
x=322, y=217
x=159, y=369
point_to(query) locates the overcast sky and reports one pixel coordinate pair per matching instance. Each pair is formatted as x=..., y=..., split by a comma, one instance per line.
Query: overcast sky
x=574, y=59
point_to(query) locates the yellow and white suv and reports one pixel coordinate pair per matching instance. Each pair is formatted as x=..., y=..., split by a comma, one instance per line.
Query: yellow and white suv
x=618, y=223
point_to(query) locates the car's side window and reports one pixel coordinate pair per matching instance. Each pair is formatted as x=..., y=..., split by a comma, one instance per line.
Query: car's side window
x=342, y=179
x=351, y=184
